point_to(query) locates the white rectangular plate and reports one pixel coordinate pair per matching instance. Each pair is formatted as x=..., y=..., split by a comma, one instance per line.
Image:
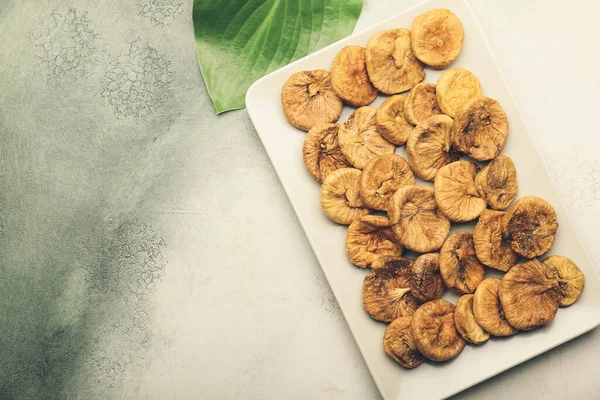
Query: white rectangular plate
x=283, y=144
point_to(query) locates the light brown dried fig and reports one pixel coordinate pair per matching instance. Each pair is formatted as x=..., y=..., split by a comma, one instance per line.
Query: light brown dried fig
x=421, y=103
x=381, y=177
x=454, y=88
x=417, y=222
x=391, y=261
x=437, y=37
x=369, y=237
x=488, y=310
x=497, y=182
x=426, y=281
x=459, y=266
x=428, y=147
x=340, y=197
x=391, y=122
x=434, y=332
x=398, y=343
x=480, y=129
x=490, y=246
x=465, y=321
x=530, y=226
x=308, y=99
x=530, y=295
x=455, y=191
x=570, y=279
x=360, y=140
x=349, y=77
x=321, y=151
x=391, y=64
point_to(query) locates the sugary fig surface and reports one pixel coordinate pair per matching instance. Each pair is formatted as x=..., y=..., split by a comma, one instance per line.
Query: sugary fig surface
x=369, y=237
x=437, y=37
x=421, y=103
x=340, y=197
x=530, y=226
x=426, y=281
x=386, y=292
x=308, y=99
x=434, y=332
x=455, y=191
x=465, y=321
x=390, y=261
x=428, y=148
x=398, y=343
x=454, y=88
x=391, y=122
x=497, y=182
x=360, y=140
x=490, y=246
x=570, y=279
x=381, y=177
x=480, y=129
x=417, y=222
x=349, y=77
x=391, y=64
x=321, y=151
x=459, y=266
x=530, y=294
x=488, y=310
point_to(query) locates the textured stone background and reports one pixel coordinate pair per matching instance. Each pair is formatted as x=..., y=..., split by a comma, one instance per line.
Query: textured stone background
x=147, y=249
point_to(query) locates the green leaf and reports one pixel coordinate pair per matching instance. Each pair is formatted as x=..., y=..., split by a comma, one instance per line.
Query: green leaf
x=238, y=41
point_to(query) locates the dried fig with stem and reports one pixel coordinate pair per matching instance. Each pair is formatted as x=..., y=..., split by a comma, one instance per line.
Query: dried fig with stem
x=497, y=182
x=370, y=237
x=490, y=246
x=437, y=37
x=349, y=77
x=426, y=281
x=488, y=310
x=459, y=266
x=399, y=344
x=454, y=88
x=421, y=103
x=381, y=177
x=570, y=279
x=340, y=197
x=321, y=151
x=465, y=321
x=391, y=122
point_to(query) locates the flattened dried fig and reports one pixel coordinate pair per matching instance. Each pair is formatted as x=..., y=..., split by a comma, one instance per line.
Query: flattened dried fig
x=340, y=197
x=488, y=310
x=437, y=37
x=459, y=266
x=398, y=343
x=497, y=182
x=570, y=279
x=530, y=226
x=426, y=281
x=349, y=77
x=391, y=122
x=454, y=88
x=421, y=103
x=321, y=151
x=386, y=293
x=465, y=321
x=369, y=237
x=434, y=332
x=530, y=294
x=308, y=99
x=360, y=140
x=381, y=177
x=490, y=246
x=392, y=66
x=417, y=222
x=428, y=147
x=455, y=191
x=480, y=129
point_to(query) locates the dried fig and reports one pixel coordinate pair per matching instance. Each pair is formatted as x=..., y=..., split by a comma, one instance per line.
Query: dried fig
x=455, y=191
x=480, y=129
x=416, y=219
x=308, y=99
x=426, y=281
x=360, y=140
x=349, y=77
x=488, y=310
x=437, y=37
x=454, y=88
x=570, y=279
x=465, y=321
x=369, y=237
x=428, y=147
x=381, y=177
x=321, y=151
x=398, y=343
x=390, y=261
x=434, y=332
x=459, y=266
x=421, y=103
x=530, y=226
x=391, y=122
x=340, y=197
x=391, y=64
x=497, y=182
x=530, y=295
x=490, y=246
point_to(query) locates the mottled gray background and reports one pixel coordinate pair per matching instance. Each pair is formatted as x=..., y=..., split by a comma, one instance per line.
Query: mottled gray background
x=147, y=249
